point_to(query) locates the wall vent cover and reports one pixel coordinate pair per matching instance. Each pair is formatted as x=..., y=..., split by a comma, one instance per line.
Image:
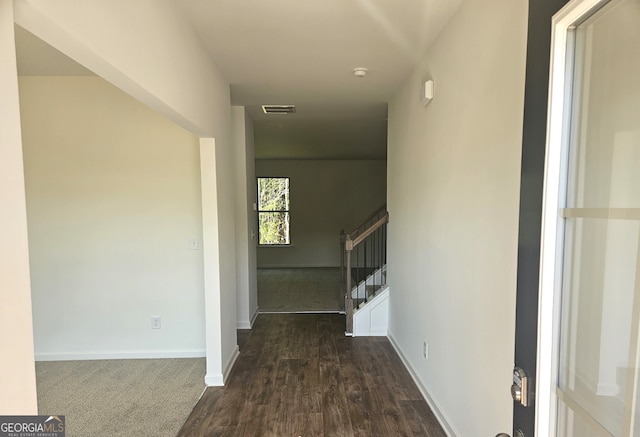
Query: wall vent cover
x=279, y=109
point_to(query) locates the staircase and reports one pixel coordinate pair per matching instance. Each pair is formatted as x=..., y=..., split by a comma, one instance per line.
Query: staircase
x=363, y=277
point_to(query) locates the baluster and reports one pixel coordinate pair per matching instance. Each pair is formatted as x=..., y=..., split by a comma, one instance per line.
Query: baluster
x=366, y=271
x=348, y=300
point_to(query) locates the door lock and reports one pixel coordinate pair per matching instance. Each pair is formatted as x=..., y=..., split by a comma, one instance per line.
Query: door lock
x=520, y=387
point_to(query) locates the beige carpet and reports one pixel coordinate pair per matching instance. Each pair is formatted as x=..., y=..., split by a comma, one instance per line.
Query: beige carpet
x=298, y=290
x=121, y=397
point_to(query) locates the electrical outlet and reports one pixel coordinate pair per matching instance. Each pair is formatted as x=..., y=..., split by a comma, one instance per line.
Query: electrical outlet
x=425, y=350
x=155, y=322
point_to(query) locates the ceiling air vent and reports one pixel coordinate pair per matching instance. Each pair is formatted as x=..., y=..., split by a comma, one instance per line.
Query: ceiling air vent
x=279, y=109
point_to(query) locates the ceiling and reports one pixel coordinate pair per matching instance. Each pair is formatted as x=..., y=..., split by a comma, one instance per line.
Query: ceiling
x=300, y=52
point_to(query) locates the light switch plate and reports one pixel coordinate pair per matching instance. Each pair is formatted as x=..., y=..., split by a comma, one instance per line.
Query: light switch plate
x=194, y=243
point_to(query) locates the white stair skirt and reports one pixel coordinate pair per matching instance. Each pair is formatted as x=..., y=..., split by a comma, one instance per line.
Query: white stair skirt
x=372, y=319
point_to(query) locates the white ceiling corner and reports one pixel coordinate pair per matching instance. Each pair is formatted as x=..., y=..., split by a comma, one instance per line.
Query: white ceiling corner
x=301, y=53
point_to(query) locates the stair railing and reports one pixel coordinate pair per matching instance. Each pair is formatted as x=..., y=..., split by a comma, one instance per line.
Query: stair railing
x=363, y=262
x=357, y=230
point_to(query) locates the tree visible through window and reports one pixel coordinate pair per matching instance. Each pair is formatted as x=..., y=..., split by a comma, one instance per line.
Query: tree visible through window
x=273, y=211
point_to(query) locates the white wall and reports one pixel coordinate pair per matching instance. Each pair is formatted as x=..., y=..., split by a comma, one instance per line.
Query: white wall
x=453, y=172
x=226, y=267
x=326, y=196
x=118, y=40
x=251, y=199
x=246, y=237
x=113, y=196
x=17, y=369
x=145, y=48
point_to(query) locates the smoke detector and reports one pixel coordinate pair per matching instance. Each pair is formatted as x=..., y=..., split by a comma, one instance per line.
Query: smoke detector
x=360, y=72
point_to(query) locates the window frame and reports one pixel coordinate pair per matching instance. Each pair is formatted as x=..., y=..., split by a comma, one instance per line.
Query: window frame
x=274, y=211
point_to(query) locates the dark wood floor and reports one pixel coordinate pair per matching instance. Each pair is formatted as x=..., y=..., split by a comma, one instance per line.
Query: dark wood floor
x=298, y=375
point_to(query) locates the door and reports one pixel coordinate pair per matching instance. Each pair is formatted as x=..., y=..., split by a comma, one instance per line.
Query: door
x=531, y=184
x=589, y=314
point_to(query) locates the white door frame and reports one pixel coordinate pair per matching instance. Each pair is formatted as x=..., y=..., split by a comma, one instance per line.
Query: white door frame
x=558, y=118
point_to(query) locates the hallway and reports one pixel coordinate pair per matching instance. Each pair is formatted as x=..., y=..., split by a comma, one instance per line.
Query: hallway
x=299, y=290
x=298, y=375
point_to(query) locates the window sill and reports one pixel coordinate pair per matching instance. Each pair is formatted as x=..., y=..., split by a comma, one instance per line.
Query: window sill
x=276, y=245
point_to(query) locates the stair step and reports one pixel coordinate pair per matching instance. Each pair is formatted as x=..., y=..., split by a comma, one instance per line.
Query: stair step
x=359, y=303
x=371, y=285
x=372, y=289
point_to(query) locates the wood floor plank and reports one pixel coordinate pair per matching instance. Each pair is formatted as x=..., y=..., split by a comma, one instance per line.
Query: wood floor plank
x=308, y=424
x=352, y=374
x=298, y=375
x=406, y=388
x=281, y=409
x=389, y=419
x=261, y=385
x=198, y=421
x=335, y=405
x=360, y=413
x=421, y=419
x=327, y=350
x=252, y=421
x=229, y=408
x=308, y=394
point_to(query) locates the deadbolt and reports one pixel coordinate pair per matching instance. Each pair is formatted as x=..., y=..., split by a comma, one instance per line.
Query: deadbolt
x=520, y=387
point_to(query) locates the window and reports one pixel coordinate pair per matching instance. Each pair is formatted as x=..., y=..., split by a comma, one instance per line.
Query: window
x=273, y=211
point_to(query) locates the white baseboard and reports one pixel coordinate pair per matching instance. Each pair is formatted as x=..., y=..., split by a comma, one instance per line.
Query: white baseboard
x=118, y=355
x=255, y=316
x=218, y=380
x=214, y=380
x=248, y=324
x=442, y=419
x=230, y=363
